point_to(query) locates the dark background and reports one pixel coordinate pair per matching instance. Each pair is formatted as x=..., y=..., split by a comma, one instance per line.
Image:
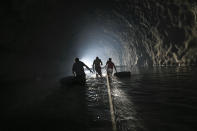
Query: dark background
x=40, y=36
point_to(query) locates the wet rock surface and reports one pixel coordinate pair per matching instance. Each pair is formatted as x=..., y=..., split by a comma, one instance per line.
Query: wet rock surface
x=153, y=32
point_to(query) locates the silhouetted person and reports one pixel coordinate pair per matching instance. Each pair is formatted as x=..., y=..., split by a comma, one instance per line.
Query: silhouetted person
x=97, y=66
x=110, y=65
x=79, y=72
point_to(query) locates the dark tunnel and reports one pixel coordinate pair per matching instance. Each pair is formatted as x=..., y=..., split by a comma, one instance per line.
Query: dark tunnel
x=41, y=39
x=44, y=36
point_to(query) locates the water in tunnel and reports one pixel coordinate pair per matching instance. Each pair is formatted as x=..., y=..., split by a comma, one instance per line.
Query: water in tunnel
x=155, y=40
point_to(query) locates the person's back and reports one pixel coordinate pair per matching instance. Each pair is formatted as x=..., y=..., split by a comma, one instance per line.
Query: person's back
x=78, y=71
x=78, y=68
x=97, y=62
x=110, y=65
x=97, y=66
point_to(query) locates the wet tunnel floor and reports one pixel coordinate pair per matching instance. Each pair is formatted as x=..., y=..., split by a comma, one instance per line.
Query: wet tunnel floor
x=159, y=100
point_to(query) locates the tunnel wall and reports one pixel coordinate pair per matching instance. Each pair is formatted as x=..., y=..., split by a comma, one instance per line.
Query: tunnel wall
x=154, y=32
x=39, y=37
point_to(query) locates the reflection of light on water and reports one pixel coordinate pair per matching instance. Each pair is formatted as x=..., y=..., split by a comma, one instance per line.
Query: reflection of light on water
x=126, y=117
x=93, y=75
x=124, y=108
x=117, y=93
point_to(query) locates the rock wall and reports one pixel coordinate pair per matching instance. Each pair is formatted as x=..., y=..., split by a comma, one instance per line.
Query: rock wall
x=153, y=32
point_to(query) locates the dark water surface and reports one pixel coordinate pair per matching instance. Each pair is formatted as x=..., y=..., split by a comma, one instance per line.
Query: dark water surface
x=152, y=99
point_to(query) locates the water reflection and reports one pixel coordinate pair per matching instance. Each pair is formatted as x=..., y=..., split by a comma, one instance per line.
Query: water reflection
x=98, y=104
x=157, y=98
x=125, y=113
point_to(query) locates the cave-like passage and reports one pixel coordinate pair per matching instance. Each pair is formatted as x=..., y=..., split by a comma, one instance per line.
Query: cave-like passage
x=101, y=93
x=93, y=43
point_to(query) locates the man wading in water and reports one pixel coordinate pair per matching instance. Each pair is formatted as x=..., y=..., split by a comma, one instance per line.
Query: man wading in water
x=97, y=66
x=110, y=65
x=78, y=71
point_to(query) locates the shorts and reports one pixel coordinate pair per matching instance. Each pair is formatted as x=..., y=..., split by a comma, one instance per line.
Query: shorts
x=109, y=71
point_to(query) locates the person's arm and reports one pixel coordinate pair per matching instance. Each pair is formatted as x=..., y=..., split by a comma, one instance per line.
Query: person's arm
x=115, y=68
x=93, y=66
x=88, y=68
x=106, y=65
x=101, y=62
